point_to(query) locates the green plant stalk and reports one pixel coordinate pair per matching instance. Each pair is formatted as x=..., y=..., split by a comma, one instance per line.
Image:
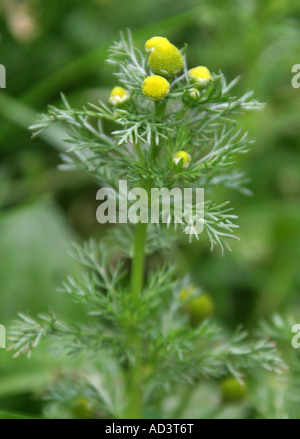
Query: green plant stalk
x=183, y=401
x=138, y=262
x=136, y=285
x=159, y=109
x=134, y=405
x=134, y=388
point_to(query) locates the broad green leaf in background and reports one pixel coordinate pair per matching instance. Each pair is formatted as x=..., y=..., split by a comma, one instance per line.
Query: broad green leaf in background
x=34, y=244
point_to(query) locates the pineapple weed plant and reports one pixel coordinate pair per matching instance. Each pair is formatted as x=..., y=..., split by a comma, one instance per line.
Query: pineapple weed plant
x=148, y=337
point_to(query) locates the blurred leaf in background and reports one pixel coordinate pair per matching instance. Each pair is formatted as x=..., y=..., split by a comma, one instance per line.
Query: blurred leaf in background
x=34, y=257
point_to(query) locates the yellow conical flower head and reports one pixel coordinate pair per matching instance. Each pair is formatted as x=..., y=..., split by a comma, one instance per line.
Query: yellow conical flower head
x=155, y=87
x=153, y=42
x=165, y=59
x=184, y=157
x=118, y=96
x=199, y=75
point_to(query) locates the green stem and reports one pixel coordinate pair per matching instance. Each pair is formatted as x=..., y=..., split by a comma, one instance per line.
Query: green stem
x=139, y=152
x=137, y=271
x=183, y=402
x=134, y=408
x=134, y=384
x=134, y=389
x=159, y=109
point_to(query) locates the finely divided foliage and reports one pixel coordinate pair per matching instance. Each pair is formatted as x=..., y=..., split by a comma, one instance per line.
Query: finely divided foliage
x=138, y=341
x=205, y=126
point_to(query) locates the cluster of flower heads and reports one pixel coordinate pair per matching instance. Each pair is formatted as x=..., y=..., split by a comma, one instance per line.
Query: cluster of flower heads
x=165, y=61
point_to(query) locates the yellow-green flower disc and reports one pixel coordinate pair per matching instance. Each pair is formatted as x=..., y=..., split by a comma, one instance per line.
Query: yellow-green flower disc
x=165, y=59
x=199, y=75
x=184, y=157
x=153, y=42
x=118, y=96
x=155, y=87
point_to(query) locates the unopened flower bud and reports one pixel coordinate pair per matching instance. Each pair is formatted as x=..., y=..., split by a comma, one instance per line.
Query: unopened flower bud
x=232, y=390
x=200, y=75
x=192, y=94
x=198, y=307
x=182, y=156
x=118, y=96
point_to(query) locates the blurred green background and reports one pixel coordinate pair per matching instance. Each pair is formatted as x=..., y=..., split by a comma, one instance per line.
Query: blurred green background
x=61, y=45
